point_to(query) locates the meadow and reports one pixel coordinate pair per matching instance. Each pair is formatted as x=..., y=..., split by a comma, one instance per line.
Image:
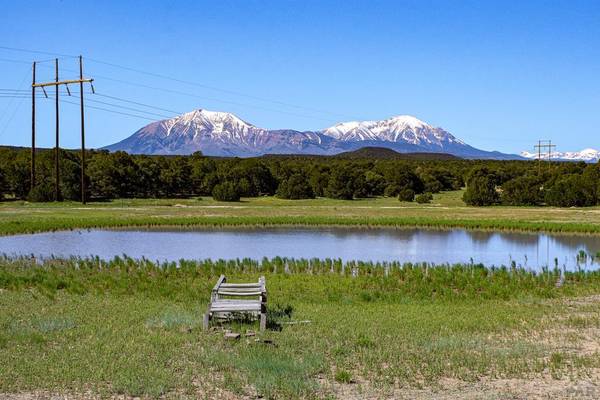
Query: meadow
x=92, y=328
x=446, y=211
x=95, y=329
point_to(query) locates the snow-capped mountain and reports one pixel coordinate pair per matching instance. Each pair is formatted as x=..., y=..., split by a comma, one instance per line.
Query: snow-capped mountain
x=587, y=155
x=224, y=134
x=403, y=128
x=219, y=134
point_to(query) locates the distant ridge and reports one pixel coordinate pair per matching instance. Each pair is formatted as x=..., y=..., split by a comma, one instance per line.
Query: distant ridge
x=223, y=134
x=587, y=155
x=385, y=153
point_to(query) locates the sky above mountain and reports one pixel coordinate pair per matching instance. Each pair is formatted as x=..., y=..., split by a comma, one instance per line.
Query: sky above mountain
x=497, y=74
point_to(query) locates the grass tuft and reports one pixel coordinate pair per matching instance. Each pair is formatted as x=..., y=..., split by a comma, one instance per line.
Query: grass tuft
x=343, y=376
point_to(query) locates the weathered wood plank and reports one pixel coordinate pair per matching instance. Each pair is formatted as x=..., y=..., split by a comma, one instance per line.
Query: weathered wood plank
x=228, y=293
x=235, y=309
x=219, y=282
x=241, y=290
x=241, y=303
x=236, y=301
x=219, y=304
x=240, y=285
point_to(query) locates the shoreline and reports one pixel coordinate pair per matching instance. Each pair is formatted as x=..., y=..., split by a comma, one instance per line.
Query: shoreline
x=297, y=222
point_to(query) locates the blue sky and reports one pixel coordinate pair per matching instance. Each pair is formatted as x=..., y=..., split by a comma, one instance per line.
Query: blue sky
x=499, y=75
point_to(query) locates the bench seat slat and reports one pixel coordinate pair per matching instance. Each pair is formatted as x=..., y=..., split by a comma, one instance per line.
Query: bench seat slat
x=237, y=305
x=237, y=290
x=233, y=307
x=240, y=285
x=235, y=301
x=228, y=293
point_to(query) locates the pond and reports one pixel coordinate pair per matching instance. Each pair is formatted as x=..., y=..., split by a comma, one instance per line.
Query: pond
x=528, y=250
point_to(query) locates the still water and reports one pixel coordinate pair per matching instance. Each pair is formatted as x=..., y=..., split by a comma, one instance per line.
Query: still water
x=529, y=250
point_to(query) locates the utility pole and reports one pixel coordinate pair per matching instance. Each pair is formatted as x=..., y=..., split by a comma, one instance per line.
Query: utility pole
x=56, y=153
x=539, y=157
x=56, y=83
x=82, y=130
x=550, y=147
x=546, y=145
x=32, y=181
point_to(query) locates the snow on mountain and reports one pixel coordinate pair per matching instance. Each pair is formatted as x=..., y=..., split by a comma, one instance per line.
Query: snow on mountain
x=219, y=134
x=403, y=128
x=224, y=134
x=588, y=155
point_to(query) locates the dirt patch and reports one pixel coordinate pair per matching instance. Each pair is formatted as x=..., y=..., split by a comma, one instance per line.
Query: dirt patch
x=531, y=389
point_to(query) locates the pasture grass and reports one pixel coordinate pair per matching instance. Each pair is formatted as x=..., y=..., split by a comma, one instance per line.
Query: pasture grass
x=132, y=327
x=446, y=211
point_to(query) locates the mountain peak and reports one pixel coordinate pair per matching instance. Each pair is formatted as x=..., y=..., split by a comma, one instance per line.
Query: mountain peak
x=224, y=134
x=409, y=120
x=211, y=116
x=401, y=128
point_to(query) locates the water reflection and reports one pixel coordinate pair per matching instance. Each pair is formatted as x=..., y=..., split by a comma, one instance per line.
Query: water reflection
x=531, y=250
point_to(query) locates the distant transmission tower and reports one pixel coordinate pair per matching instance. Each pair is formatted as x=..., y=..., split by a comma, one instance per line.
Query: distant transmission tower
x=544, y=145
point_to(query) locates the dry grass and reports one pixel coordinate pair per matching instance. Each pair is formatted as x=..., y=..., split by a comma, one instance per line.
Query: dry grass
x=447, y=210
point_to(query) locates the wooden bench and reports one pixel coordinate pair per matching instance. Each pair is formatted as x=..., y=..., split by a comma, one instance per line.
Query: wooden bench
x=228, y=298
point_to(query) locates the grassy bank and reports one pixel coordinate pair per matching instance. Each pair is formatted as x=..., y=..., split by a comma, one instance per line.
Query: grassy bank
x=446, y=211
x=404, y=331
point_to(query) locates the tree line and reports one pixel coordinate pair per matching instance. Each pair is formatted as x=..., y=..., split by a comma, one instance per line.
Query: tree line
x=121, y=175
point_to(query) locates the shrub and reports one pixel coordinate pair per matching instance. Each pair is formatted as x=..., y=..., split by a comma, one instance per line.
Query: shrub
x=277, y=314
x=571, y=191
x=392, y=190
x=406, y=195
x=226, y=191
x=3, y=184
x=424, y=198
x=481, y=191
x=340, y=184
x=431, y=184
x=404, y=177
x=42, y=192
x=295, y=187
x=523, y=190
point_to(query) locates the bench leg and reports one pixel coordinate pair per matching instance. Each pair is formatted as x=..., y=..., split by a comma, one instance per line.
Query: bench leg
x=263, y=321
x=205, y=319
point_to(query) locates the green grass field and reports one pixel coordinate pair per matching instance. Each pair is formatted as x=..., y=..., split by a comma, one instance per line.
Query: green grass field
x=447, y=210
x=127, y=328
x=90, y=329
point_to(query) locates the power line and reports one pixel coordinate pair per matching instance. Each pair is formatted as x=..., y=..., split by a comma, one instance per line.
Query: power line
x=193, y=95
x=4, y=113
x=108, y=110
x=181, y=93
x=213, y=87
x=23, y=95
x=12, y=116
x=188, y=82
x=15, y=61
x=18, y=93
x=37, y=52
x=94, y=107
x=137, y=103
x=131, y=108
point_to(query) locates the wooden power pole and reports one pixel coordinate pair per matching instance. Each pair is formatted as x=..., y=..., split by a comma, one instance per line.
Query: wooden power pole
x=56, y=152
x=32, y=180
x=82, y=130
x=56, y=83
